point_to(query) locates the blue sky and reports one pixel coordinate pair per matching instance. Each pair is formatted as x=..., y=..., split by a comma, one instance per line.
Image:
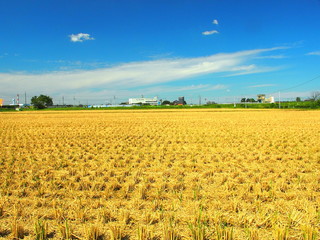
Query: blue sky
x=101, y=50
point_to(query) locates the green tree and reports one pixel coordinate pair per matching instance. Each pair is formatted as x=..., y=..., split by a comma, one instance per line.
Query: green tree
x=250, y=100
x=315, y=96
x=165, y=102
x=41, y=102
x=211, y=102
x=298, y=99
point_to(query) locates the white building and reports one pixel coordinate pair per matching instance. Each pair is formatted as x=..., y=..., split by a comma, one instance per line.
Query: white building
x=150, y=101
x=262, y=99
x=270, y=99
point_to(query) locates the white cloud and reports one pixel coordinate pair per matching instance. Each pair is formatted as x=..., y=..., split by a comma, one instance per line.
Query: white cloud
x=317, y=53
x=161, y=56
x=215, y=21
x=4, y=55
x=272, y=57
x=80, y=37
x=165, y=89
x=251, y=69
x=210, y=32
x=135, y=75
x=203, y=87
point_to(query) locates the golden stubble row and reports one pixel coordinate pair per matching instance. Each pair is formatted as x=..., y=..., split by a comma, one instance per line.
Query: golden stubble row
x=182, y=174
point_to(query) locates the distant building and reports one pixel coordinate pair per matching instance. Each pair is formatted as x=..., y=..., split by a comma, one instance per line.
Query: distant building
x=144, y=101
x=108, y=106
x=181, y=101
x=270, y=99
x=262, y=99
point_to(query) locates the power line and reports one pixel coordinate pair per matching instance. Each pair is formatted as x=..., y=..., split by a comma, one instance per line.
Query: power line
x=298, y=85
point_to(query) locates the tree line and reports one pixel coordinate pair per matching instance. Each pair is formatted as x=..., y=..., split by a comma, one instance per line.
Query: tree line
x=44, y=101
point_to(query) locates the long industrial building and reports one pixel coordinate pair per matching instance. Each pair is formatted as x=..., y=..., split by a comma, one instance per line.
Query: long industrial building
x=149, y=101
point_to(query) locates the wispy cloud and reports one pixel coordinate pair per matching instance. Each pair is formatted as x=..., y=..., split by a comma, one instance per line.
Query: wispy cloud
x=80, y=37
x=272, y=57
x=161, y=56
x=165, y=89
x=215, y=21
x=262, y=85
x=316, y=53
x=120, y=78
x=4, y=55
x=210, y=32
x=251, y=69
x=71, y=65
x=203, y=87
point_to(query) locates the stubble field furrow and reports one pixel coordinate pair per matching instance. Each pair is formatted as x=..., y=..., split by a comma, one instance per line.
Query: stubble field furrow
x=182, y=174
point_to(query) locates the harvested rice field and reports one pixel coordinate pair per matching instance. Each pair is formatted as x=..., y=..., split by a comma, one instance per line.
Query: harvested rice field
x=160, y=174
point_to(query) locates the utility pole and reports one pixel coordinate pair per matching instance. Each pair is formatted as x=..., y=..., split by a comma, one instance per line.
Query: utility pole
x=63, y=100
x=199, y=100
x=25, y=97
x=279, y=100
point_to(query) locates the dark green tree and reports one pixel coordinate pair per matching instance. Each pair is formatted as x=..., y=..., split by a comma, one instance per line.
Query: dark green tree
x=165, y=102
x=250, y=100
x=211, y=102
x=41, y=102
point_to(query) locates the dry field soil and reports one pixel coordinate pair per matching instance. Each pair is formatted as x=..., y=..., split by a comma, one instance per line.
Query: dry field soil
x=160, y=174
